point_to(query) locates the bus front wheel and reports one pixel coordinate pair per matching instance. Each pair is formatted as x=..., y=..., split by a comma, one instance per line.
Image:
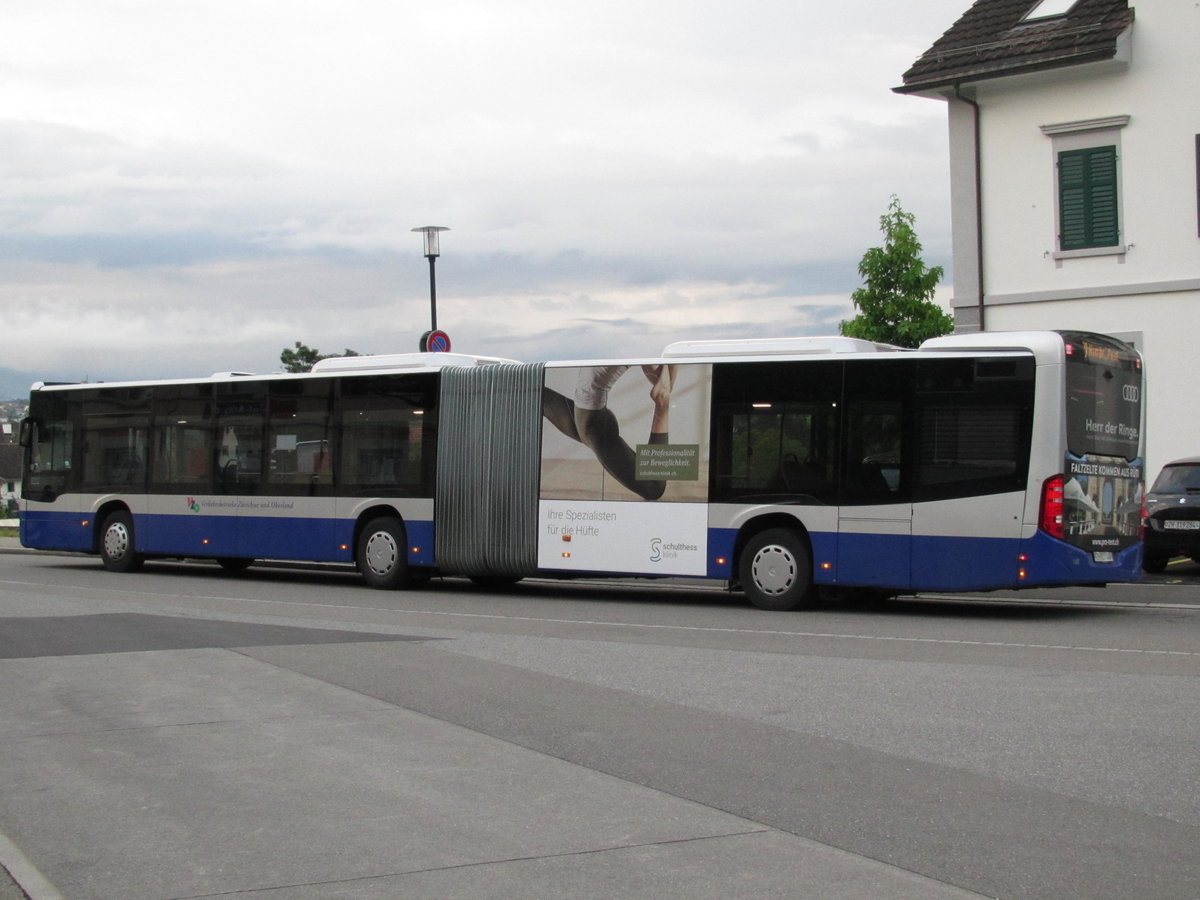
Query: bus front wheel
x=383, y=554
x=117, y=545
x=775, y=569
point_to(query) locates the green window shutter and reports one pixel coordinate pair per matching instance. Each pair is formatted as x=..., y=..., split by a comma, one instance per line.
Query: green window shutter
x=1087, y=198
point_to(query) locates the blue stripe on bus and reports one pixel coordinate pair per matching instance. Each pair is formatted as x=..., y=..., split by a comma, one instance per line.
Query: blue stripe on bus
x=420, y=542
x=47, y=530
x=965, y=563
x=947, y=563
x=253, y=537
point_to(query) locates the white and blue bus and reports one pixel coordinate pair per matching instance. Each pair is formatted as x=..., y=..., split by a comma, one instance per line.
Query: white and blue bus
x=780, y=466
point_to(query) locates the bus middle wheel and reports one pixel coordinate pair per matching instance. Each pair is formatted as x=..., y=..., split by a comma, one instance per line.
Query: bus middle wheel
x=775, y=570
x=382, y=555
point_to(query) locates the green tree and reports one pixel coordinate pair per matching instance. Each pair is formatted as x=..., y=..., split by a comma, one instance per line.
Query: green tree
x=302, y=358
x=895, y=303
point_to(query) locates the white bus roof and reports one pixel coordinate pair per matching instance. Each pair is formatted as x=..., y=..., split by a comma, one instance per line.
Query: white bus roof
x=427, y=362
x=1046, y=346
x=407, y=361
x=781, y=346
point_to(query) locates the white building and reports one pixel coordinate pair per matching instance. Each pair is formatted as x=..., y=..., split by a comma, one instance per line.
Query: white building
x=1075, y=181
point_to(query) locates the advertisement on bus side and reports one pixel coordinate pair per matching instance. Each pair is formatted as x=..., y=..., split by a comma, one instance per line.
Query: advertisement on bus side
x=624, y=469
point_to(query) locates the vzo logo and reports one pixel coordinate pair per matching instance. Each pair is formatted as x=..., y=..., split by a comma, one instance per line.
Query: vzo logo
x=193, y=504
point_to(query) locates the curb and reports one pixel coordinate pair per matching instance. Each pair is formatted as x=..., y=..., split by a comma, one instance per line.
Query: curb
x=25, y=876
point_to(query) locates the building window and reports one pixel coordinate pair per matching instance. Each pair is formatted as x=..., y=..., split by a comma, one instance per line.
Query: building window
x=1087, y=198
x=1048, y=9
x=1087, y=157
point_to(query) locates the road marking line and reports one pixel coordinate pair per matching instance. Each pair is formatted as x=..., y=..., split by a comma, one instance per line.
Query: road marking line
x=827, y=635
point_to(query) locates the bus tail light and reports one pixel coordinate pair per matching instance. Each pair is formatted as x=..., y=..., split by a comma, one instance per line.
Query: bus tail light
x=1051, y=518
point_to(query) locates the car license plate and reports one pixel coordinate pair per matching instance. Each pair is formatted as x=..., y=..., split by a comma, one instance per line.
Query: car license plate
x=1181, y=525
x=1103, y=556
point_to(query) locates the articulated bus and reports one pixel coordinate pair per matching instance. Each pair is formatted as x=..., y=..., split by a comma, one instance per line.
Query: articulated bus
x=779, y=466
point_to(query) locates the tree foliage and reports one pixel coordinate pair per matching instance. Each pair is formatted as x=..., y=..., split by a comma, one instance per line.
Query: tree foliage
x=302, y=358
x=895, y=303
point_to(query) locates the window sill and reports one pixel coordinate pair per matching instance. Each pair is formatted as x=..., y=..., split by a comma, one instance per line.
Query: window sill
x=1119, y=250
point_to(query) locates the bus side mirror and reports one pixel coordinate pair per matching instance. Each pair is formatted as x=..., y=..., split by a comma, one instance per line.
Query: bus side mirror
x=28, y=436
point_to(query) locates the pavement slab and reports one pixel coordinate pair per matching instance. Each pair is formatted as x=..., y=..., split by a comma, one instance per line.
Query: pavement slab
x=202, y=771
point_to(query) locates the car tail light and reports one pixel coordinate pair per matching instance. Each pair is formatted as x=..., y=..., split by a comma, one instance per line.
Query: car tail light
x=1051, y=519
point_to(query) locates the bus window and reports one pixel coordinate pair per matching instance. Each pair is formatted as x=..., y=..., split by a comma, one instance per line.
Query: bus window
x=115, y=430
x=181, y=461
x=239, y=435
x=774, y=432
x=874, y=452
x=877, y=411
x=387, y=427
x=298, y=437
x=779, y=449
x=974, y=425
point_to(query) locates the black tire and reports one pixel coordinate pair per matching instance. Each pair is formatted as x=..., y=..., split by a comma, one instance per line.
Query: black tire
x=117, y=543
x=234, y=563
x=1155, y=564
x=775, y=570
x=382, y=554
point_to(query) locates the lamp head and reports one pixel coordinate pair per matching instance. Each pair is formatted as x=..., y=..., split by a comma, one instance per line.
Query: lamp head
x=431, y=238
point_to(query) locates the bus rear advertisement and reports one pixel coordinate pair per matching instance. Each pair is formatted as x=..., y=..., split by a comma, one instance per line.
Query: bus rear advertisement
x=779, y=466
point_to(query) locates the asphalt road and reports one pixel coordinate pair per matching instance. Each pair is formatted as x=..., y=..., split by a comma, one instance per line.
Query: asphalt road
x=288, y=734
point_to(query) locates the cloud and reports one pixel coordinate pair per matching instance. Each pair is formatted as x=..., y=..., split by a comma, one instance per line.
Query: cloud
x=192, y=187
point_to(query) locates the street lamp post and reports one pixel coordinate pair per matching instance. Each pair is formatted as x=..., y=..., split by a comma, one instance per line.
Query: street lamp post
x=432, y=253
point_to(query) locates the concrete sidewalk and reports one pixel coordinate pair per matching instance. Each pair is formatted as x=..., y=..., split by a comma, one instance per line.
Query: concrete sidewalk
x=205, y=770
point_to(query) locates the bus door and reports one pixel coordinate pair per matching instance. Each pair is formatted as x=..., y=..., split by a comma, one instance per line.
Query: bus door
x=875, y=506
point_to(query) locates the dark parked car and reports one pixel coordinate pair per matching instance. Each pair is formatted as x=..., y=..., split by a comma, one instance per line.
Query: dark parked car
x=1173, y=514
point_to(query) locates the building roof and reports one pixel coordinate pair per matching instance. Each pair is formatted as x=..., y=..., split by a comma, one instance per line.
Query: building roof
x=992, y=39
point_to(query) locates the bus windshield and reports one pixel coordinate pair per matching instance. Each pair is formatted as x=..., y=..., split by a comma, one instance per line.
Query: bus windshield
x=1104, y=397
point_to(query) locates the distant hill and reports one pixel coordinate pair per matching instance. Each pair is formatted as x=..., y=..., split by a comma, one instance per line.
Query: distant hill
x=15, y=385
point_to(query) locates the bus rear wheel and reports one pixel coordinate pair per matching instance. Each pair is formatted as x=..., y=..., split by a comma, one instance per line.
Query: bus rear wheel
x=117, y=543
x=383, y=554
x=775, y=570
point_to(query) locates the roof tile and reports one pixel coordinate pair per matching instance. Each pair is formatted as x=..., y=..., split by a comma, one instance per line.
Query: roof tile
x=990, y=40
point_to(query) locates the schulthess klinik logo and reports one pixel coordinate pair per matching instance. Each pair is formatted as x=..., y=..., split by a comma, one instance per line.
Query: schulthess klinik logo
x=660, y=551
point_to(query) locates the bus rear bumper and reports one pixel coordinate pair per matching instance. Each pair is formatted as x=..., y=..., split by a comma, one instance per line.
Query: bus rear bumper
x=1049, y=561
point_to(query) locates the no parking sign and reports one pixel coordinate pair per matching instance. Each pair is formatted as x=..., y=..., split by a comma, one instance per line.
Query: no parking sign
x=435, y=342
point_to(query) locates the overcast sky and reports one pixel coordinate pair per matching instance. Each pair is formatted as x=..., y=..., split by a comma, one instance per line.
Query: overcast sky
x=189, y=187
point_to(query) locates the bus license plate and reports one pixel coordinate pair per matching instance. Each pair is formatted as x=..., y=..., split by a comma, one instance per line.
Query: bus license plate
x=1103, y=556
x=1182, y=525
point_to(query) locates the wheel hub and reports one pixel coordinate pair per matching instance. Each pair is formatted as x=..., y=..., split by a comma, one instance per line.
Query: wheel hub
x=774, y=570
x=382, y=553
x=116, y=541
